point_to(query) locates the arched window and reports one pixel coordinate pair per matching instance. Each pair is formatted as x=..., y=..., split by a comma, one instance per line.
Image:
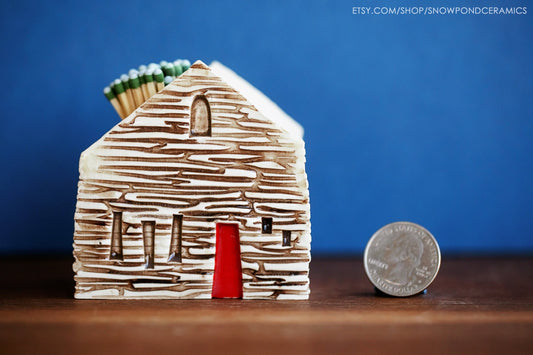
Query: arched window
x=200, y=117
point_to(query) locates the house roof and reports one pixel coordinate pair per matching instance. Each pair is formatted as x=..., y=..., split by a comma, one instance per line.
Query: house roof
x=263, y=104
x=266, y=107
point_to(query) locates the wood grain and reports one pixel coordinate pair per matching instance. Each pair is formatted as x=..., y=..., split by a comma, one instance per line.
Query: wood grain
x=475, y=306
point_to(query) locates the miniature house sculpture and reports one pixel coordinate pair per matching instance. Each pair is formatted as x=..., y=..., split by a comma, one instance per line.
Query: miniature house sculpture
x=200, y=193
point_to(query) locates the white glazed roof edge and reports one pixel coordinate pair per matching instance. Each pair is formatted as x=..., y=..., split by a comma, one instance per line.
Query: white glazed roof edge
x=266, y=106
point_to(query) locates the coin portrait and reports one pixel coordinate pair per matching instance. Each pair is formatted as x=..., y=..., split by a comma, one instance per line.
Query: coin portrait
x=403, y=255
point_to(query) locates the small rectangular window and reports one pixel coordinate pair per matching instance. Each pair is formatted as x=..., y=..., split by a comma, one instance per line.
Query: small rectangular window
x=266, y=227
x=148, y=238
x=286, y=238
x=116, y=237
x=175, y=239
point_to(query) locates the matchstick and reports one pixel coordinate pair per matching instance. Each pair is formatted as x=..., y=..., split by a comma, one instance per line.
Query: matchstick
x=159, y=79
x=120, y=93
x=125, y=81
x=185, y=64
x=177, y=67
x=149, y=79
x=144, y=88
x=113, y=99
x=135, y=87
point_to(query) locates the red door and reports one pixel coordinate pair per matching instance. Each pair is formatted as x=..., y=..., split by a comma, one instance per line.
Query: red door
x=227, y=281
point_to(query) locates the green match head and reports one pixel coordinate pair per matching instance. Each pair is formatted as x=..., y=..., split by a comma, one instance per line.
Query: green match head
x=153, y=66
x=168, y=80
x=185, y=64
x=142, y=67
x=125, y=81
x=163, y=63
x=109, y=93
x=141, y=76
x=134, y=81
x=159, y=76
x=148, y=76
x=118, y=88
x=132, y=71
x=169, y=70
x=177, y=67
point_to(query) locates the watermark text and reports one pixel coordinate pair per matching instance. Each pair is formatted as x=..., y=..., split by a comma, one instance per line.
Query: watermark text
x=439, y=10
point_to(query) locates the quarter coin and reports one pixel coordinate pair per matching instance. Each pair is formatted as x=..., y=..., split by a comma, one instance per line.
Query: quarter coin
x=402, y=259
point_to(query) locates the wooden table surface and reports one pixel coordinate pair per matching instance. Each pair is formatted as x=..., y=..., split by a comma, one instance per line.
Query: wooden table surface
x=476, y=306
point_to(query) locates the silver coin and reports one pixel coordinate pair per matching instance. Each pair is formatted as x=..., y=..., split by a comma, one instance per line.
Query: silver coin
x=402, y=259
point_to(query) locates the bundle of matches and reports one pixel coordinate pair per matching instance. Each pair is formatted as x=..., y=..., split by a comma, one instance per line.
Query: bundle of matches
x=134, y=88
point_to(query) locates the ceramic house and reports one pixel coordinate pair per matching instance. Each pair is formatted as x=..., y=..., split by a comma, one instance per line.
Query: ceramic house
x=200, y=193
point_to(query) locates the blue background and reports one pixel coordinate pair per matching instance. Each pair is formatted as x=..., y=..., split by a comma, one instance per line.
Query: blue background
x=421, y=118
